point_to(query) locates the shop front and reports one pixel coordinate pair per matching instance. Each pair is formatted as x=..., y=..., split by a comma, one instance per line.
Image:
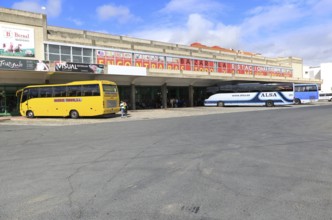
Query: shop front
x=8, y=100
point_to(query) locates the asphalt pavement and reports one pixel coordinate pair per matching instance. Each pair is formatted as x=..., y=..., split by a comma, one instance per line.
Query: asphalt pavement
x=265, y=163
x=142, y=114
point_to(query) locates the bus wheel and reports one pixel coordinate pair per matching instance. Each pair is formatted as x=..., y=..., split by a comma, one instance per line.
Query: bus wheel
x=269, y=103
x=297, y=101
x=73, y=114
x=30, y=114
x=220, y=104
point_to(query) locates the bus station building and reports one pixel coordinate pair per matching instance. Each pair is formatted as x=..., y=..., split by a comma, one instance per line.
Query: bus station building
x=148, y=73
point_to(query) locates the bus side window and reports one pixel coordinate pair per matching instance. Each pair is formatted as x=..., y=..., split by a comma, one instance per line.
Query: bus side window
x=91, y=90
x=25, y=95
x=96, y=91
x=45, y=92
x=74, y=91
x=33, y=93
x=87, y=90
x=59, y=91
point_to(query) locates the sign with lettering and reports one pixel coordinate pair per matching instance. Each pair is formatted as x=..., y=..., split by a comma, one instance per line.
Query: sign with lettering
x=79, y=67
x=20, y=64
x=68, y=100
x=17, y=41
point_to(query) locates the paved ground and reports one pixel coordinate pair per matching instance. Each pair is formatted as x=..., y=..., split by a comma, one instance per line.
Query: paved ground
x=272, y=164
x=142, y=115
x=132, y=115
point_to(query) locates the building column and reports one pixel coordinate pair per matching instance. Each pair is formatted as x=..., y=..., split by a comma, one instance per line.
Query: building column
x=133, y=96
x=191, y=96
x=164, y=95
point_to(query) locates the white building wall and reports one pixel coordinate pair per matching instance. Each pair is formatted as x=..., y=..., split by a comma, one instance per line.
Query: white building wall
x=326, y=77
x=306, y=70
x=310, y=72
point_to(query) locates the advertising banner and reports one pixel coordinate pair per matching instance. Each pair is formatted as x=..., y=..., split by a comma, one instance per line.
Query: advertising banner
x=20, y=64
x=150, y=61
x=225, y=67
x=172, y=63
x=79, y=67
x=114, y=58
x=17, y=41
x=203, y=66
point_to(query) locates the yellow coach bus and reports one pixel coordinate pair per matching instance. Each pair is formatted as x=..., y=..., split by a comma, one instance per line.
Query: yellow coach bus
x=75, y=99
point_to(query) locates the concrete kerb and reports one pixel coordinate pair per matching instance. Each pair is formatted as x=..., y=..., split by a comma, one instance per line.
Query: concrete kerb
x=4, y=119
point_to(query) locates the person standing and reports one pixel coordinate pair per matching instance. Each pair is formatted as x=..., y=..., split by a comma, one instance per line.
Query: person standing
x=123, y=108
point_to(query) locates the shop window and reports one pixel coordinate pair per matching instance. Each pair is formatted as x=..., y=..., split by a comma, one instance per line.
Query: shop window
x=54, y=57
x=87, y=52
x=77, y=51
x=87, y=60
x=54, y=49
x=77, y=59
x=65, y=58
x=65, y=50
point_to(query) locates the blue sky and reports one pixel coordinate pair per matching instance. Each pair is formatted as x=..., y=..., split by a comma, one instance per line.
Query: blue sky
x=274, y=28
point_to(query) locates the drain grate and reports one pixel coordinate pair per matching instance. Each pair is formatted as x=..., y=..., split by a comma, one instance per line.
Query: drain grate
x=193, y=209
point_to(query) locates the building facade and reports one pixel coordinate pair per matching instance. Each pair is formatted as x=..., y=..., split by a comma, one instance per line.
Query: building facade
x=322, y=73
x=148, y=73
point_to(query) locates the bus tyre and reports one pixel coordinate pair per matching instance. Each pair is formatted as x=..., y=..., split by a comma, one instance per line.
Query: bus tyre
x=73, y=114
x=297, y=101
x=269, y=103
x=220, y=104
x=30, y=114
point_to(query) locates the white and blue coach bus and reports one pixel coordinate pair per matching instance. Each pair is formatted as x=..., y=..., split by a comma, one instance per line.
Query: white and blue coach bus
x=305, y=93
x=252, y=94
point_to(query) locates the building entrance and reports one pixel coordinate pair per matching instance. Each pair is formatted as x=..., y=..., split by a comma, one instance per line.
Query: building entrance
x=199, y=96
x=148, y=97
x=8, y=101
x=177, y=97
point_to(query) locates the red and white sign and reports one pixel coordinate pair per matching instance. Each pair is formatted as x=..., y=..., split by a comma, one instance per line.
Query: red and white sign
x=18, y=41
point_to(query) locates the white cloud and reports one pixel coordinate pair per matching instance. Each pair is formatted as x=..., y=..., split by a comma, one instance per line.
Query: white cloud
x=31, y=6
x=322, y=7
x=281, y=29
x=290, y=29
x=77, y=22
x=196, y=29
x=313, y=44
x=192, y=6
x=271, y=18
x=51, y=7
x=120, y=13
